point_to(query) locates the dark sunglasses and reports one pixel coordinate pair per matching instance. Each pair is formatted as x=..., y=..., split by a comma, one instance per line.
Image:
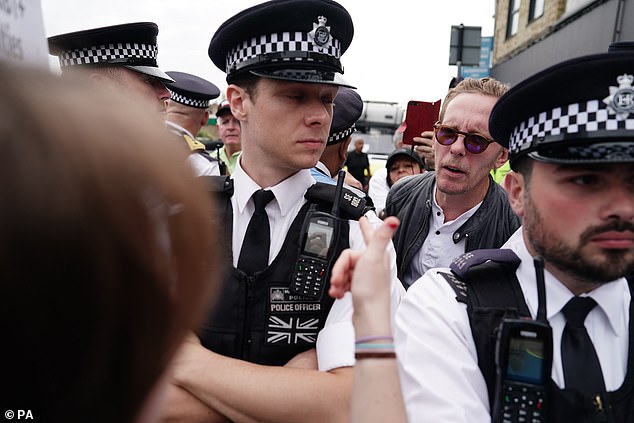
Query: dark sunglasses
x=474, y=143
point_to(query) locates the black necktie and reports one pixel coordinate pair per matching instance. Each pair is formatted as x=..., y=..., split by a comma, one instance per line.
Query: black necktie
x=582, y=370
x=254, y=254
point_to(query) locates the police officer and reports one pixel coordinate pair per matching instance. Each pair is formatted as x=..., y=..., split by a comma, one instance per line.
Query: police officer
x=571, y=140
x=123, y=57
x=347, y=110
x=281, y=58
x=186, y=113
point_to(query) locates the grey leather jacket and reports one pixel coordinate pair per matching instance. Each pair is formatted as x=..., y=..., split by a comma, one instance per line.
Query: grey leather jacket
x=410, y=200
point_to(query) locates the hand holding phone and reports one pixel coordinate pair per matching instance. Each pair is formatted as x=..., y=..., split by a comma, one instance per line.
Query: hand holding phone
x=425, y=149
x=420, y=117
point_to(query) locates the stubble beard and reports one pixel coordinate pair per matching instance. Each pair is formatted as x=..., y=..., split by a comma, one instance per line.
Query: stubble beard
x=572, y=260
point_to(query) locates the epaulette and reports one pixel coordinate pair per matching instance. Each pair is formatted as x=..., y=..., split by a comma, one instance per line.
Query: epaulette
x=464, y=262
x=219, y=184
x=193, y=144
x=352, y=206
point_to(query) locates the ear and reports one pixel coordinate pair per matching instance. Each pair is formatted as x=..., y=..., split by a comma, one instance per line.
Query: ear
x=343, y=148
x=515, y=185
x=237, y=97
x=103, y=80
x=96, y=77
x=204, y=118
x=502, y=158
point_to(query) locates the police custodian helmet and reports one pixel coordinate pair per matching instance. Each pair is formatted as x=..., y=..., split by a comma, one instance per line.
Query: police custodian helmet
x=131, y=45
x=578, y=111
x=347, y=111
x=293, y=40
x=191, y=90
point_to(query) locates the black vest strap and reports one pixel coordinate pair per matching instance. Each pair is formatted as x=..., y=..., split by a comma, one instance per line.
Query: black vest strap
x=221, y=190
x=491, y=293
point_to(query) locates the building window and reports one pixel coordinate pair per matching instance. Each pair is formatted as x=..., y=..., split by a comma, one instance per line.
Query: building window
x=536, y=10
x=514, y=18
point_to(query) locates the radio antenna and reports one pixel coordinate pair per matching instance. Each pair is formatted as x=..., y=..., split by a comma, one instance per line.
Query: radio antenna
x=337, y=200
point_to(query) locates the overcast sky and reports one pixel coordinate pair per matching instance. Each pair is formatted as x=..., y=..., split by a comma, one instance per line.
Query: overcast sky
x=400, y=49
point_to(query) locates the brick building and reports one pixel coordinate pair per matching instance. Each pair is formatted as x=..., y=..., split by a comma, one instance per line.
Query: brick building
x=531, y=35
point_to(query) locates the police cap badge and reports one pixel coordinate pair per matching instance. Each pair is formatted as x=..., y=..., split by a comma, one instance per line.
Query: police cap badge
x=578, y=111
x=295, y=40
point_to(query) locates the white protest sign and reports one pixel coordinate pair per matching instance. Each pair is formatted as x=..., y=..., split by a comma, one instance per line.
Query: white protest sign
x=22, y=36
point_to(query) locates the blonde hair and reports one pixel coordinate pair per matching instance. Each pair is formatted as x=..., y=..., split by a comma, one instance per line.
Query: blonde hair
x=486, y=86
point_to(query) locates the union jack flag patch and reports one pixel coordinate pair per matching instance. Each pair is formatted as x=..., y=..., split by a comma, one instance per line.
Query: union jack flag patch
x=292, y=330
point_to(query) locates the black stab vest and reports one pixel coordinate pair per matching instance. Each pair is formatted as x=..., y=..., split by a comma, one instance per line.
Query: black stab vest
x=257, y=318
x=491, y=292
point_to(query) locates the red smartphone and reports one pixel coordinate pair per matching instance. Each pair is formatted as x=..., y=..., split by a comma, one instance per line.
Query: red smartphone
x=419, y=117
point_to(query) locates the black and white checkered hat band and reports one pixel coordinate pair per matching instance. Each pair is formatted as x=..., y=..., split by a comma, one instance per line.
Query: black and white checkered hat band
x=599, y=152
x=588, y=117
x=338, y=136
x=187, y=101
x=124, y=53
x=281, y=46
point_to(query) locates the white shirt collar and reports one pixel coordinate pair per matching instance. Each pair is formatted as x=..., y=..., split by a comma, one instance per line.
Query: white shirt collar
x=287, y=193
x=323, y=168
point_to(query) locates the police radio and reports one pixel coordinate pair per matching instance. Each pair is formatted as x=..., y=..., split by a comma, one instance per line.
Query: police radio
x=523, y=358
x=320, y=233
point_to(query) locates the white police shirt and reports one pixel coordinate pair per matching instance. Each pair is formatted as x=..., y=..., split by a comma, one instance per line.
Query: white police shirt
x=437, y=357
x=335, y=342
x=438, y=249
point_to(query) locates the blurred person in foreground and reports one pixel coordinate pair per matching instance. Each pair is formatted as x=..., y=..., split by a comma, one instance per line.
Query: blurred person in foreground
x=458, y=207
x=107, y=259
x=120, y=57
x=376, y=390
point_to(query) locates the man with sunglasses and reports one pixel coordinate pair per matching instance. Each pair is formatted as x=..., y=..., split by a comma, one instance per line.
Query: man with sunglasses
x=458, y=208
